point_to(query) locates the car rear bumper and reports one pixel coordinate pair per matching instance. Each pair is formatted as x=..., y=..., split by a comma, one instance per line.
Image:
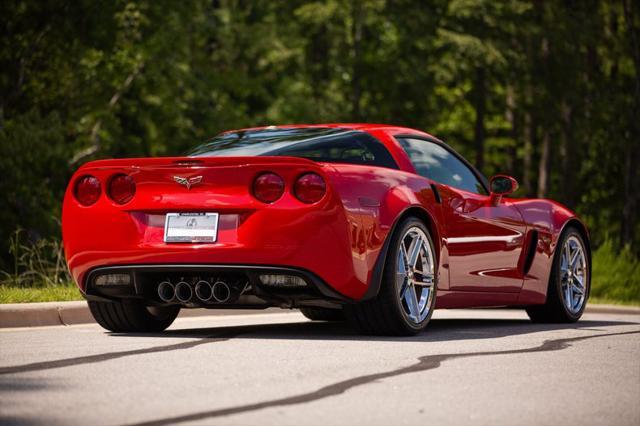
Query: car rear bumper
x=315, y=241
x=144, y=281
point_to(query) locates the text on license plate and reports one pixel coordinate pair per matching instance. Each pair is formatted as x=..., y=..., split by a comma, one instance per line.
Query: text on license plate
x=191, y=228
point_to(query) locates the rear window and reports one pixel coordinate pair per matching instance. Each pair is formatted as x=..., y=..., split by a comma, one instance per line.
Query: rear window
x=329, y=145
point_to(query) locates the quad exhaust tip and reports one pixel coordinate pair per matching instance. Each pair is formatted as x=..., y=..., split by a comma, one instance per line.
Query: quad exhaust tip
x=204, y=291
x=166, y=291
x=218, y=292
x=221, y=291
x=184, y=293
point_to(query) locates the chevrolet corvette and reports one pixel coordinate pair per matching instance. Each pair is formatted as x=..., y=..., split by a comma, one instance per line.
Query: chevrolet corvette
x=376, y=225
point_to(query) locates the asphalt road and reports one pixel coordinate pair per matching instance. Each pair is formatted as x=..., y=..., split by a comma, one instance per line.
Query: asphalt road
x=471, y=367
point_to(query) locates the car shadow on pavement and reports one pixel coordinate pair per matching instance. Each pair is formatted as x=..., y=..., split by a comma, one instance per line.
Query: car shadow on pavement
x=438, y=330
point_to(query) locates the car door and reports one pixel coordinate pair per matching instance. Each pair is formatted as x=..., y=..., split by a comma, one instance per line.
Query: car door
x=484, y=239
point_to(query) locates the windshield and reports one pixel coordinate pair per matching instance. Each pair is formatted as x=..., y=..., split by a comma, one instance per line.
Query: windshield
x=322, y=144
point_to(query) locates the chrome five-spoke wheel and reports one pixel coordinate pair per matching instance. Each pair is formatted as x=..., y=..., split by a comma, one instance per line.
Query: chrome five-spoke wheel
x=573, y=274
x=569, y=280
x=415, y=273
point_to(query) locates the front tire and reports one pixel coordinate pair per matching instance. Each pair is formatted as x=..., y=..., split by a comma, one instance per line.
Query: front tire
x=132, y=316
x=407, y=295
x=569, y=282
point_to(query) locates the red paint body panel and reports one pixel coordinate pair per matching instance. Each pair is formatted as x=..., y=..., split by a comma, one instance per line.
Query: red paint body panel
x=481, y=245
x=286, y=233
x=549, y=219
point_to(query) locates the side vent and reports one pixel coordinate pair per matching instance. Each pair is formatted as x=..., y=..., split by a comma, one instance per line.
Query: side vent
x=436, y=193
x=531, y=252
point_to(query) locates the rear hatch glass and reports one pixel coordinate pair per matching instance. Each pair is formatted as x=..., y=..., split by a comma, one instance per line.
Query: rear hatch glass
x=321, y=144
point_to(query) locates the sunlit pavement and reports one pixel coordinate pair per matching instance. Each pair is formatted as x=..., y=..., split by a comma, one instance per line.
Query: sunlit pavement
x=471, y=366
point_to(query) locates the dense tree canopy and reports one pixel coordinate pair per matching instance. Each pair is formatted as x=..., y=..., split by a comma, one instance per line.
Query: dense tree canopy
x=546, y=90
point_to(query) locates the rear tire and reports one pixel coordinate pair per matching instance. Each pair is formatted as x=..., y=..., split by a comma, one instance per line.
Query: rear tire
x=565, y=305
x=322, y=314
x=132, y=316
x=395, y=310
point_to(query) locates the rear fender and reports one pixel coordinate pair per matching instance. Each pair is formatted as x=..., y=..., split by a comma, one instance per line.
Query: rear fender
x=401, y=203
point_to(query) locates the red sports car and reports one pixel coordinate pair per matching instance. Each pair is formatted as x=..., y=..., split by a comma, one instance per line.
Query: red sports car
x=375, y=224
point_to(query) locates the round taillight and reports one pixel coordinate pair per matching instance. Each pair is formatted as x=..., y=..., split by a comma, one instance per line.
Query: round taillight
x=268, y=187
x=122, y=188
x=309, y=188
x=87, y=190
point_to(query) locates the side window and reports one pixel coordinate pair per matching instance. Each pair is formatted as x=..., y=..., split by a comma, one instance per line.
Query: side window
x=436, y=162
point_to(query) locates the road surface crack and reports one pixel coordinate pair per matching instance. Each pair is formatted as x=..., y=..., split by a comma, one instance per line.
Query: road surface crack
x=91, y=359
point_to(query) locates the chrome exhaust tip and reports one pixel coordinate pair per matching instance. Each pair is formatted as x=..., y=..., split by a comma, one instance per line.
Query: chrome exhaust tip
x=221, y=291
x=204, y=292
x=166, y=291
x=184, y=293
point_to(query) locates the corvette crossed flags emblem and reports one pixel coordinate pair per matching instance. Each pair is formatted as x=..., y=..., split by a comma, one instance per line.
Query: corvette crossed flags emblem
x=188, y=182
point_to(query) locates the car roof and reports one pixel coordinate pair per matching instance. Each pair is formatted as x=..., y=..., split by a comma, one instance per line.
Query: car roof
x=377, y=130
x=366, y=127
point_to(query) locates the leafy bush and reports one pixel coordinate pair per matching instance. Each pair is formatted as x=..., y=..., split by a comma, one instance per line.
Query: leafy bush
x=615, y=274
x=36, y=264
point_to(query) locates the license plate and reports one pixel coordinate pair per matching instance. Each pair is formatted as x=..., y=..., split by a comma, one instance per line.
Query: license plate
x=191, y=228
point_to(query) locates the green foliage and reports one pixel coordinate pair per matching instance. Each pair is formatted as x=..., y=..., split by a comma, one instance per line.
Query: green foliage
x=36, y=265
x=500, y=81
x=616, y=275
x=33, y=160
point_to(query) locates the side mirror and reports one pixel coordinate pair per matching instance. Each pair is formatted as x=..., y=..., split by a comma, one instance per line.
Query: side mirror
x=502, y=185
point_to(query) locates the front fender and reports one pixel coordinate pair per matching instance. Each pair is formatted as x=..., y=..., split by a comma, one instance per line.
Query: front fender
x=549, y=219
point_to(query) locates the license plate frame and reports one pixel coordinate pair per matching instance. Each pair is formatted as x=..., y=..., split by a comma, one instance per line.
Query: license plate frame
x=184, y=228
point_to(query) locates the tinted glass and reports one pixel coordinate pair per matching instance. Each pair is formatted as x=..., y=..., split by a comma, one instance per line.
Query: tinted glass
x=318, y=144
x=436, y=162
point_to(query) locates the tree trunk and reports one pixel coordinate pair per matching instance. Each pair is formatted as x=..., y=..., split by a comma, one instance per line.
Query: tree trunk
x=529, y=144
x=631, y=175
x=627, y=225
x=530, y=134
x=568, y=152
x=544, y=166
x=545, y=148
x=510, y=116
x=480, y=105
x=356, y=34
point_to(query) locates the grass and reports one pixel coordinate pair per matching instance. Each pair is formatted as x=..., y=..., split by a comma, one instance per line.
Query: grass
x=39, y=272
x=57, y=293
x=605, y=301
x=616, y=276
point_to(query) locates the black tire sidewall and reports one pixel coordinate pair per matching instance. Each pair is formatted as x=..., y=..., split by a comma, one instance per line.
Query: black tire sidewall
x=132, y=316
x=557, y=273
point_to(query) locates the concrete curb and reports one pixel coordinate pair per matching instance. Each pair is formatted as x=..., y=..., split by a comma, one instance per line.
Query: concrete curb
x=40, y=314
x=69, y=313
x=613, y=309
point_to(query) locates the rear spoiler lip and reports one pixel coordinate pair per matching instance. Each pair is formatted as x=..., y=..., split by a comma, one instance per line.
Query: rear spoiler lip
x=197, y=162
